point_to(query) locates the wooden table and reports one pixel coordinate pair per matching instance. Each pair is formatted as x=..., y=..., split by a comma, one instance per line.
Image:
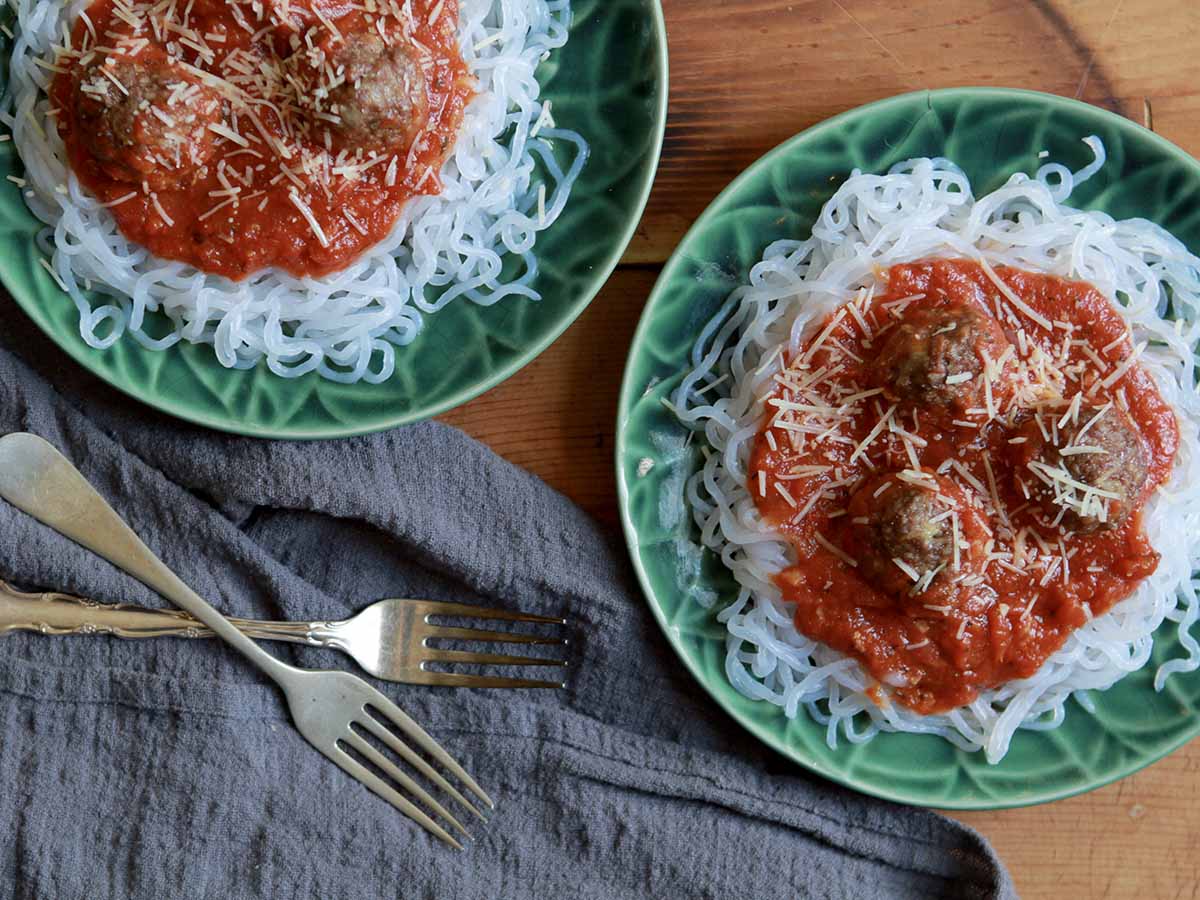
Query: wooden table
x=745, y=75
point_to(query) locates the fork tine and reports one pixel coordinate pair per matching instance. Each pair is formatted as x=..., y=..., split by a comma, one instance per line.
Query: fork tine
x=397, y=717
x=458, y=679
x=486, y=634
x=467, y=611
x=434, y=654
x=383, y=734
x=397, y=775
x=380, y=788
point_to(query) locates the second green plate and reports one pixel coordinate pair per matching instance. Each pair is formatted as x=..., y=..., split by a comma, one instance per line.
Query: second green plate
x=991, y=133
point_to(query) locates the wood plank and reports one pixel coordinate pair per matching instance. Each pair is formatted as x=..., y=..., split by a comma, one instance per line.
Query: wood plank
x=814, y=59
x=556, y=417
x=1135, y=838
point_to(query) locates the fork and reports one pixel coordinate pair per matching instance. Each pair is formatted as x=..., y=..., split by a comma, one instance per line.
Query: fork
x=389, y=639
x=334, y=711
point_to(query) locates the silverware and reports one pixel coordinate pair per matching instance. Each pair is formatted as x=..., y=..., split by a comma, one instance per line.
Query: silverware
x=332, y=710
x=389, y=639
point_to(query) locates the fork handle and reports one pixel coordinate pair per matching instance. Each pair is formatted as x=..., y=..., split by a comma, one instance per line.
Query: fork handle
x=61, y=614
x=36, y=478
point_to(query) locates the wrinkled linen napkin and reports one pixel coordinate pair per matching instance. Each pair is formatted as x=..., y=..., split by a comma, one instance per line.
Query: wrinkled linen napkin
x=169, y=769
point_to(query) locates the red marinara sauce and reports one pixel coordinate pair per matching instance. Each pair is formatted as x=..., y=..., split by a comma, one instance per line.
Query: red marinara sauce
x=267, y=170
x=836, y=446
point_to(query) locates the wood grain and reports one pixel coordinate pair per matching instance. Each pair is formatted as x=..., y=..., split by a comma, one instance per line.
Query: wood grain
x=813, y=59
x=810, y=60
x=556, y=416
x=1135, y=838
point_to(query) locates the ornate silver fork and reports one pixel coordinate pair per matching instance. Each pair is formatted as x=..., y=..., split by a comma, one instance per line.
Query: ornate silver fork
x=334, y=711
x=390, y=638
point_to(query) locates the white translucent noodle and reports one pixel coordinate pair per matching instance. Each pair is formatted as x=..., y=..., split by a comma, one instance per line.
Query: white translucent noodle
x=443, y=249
x=923, y=208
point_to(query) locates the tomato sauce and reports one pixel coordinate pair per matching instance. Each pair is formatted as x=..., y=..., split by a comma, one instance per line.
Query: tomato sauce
x=354, y=194
x=936, y=649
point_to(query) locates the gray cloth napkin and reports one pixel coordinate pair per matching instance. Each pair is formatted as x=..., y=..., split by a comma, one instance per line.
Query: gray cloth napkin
x=168, y=768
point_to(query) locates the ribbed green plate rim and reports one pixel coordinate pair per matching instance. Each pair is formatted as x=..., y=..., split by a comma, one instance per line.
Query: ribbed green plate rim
x=991, y=132
x=609, y=82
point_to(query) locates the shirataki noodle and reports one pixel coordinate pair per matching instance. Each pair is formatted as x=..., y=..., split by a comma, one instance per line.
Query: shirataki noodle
x=924, y=208
x=444, y=249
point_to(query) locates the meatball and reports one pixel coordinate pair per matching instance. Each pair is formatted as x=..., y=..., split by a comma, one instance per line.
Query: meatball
x=1106, y=453
x=925, y=356
x=902, y=522
x=146, y=119
x=376, y=90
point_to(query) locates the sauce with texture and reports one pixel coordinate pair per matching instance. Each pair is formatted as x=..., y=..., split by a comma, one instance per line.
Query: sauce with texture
x=275, y=141
x=839, y=438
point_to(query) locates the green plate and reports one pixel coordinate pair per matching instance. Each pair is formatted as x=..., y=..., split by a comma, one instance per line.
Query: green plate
x=991, y=133
x=609, y=83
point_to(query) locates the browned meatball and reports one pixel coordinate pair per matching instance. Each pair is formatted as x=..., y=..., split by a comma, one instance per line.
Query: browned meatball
x=925, y=356
x=145, y=118
x=904, y=522
x=375, y=90
x=1108, y=454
